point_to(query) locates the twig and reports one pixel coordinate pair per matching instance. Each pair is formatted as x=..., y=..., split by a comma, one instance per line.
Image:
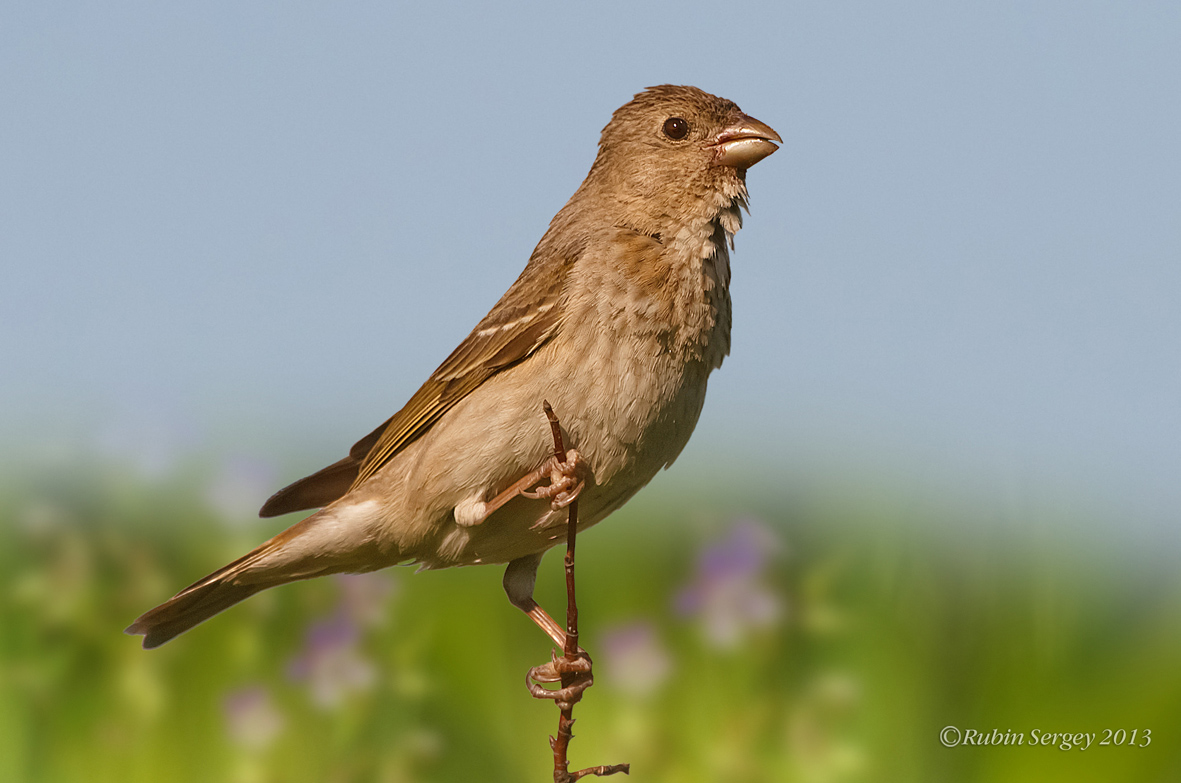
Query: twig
x=574, y=667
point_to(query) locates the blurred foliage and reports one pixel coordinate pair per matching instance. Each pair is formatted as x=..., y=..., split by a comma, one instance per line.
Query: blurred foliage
x=737, y=637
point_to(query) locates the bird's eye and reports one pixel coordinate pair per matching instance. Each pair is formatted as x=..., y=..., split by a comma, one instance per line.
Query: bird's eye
x=676, y=128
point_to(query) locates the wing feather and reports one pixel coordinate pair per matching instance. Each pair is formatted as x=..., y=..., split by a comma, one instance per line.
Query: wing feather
x=525, y=318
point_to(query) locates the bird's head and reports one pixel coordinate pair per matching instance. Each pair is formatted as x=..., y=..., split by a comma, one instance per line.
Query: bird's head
x=673, y=145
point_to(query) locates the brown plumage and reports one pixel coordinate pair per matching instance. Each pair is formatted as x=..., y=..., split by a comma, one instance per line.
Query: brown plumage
x=620, y=315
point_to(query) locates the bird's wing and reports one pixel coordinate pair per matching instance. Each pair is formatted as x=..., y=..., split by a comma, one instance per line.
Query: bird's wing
x=525, y=318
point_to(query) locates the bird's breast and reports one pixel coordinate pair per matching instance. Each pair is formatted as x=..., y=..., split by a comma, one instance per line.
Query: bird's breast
x=642, y=336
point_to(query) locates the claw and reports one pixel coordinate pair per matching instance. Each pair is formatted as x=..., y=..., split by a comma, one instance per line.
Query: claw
x=562, y=489
x=559, y=665
x=576, y=671
x=563, y=499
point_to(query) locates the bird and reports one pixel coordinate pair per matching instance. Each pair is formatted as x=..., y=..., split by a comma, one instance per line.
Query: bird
x=620, y=315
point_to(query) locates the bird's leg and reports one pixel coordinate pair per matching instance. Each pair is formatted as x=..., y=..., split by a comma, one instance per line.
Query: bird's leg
x=519, y=487
x=566, y=481
x=519, y=578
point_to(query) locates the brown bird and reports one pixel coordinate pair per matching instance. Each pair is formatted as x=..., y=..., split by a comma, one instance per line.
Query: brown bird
x=617, y=320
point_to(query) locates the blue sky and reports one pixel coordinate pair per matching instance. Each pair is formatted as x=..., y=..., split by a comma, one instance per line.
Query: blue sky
x=245, y=227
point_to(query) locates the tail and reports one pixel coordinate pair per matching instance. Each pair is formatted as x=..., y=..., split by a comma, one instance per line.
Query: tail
x=274, y=563
x=191, y=606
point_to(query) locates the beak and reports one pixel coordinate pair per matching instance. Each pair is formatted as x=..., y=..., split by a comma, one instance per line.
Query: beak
x=744, y=142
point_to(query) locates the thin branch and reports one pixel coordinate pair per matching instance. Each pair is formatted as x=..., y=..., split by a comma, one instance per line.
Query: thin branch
x=571, y=649
x=573, y=669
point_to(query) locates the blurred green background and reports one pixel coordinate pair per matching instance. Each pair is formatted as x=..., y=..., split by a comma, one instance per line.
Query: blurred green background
x=739, y=634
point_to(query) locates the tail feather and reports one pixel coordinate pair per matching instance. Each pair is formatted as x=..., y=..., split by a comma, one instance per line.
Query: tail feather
x=200, y=601
x=187, y=610
x=305, y=550
x=217, y=592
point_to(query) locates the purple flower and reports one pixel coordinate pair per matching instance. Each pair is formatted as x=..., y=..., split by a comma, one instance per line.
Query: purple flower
x=728, y=594
x=634, y=658
x=252, y=719
x=331, y=662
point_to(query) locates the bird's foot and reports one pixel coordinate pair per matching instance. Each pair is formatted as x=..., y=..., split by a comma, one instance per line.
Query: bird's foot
x=566, y=480
x=574, y=673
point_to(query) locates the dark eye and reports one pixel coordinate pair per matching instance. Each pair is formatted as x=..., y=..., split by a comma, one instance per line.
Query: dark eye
x=676, y=128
